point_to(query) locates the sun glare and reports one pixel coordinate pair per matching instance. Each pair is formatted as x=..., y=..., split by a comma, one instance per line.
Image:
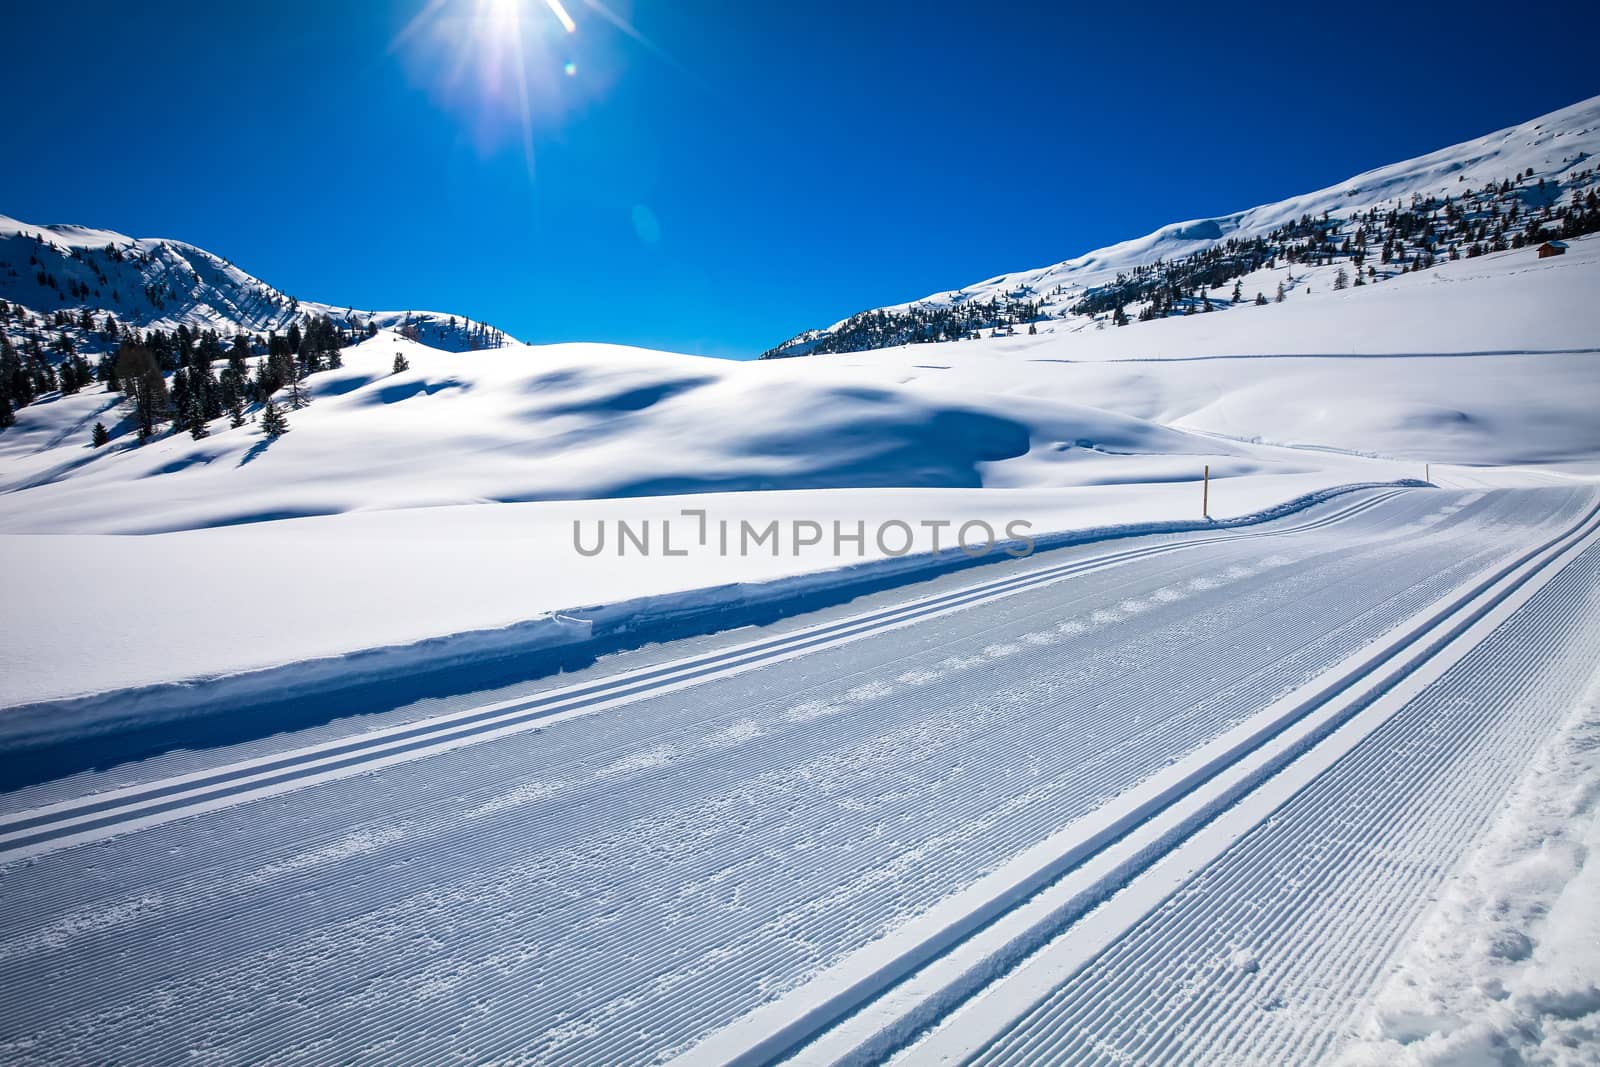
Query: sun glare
x=512, y=68
x=509, y=67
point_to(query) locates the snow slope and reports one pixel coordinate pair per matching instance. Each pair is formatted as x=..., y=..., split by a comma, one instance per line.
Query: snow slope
x=1553, y=145
x=1494, y=360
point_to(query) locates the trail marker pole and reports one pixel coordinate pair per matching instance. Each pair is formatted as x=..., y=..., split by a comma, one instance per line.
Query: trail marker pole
x=1205, y=493
x=1427, y=472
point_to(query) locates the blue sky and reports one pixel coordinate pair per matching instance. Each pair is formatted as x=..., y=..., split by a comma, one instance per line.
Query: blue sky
x=752, y=170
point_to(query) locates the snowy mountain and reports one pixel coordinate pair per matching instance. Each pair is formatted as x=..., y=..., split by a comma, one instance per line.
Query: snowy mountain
x=61, y=284
x=1520, y=185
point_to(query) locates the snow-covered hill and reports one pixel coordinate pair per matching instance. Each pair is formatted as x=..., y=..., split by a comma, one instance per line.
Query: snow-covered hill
x=1483, y=361
x=66, y=280
x=1524, y=184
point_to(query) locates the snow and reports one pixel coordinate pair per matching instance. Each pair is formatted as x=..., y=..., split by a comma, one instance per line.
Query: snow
x=1266, y=763
x=416, y=588
x=609, y=877
x=1478, y=361
x=1504, y=966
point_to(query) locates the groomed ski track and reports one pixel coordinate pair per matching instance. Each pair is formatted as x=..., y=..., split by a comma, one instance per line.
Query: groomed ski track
x=1170, y=799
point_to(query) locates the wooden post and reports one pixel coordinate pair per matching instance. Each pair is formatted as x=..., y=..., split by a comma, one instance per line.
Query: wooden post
x=1205, y=493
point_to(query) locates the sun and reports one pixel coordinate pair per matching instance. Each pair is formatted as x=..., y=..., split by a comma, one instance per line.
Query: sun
x=506, y=15
x=507, y=67
x=511, y=69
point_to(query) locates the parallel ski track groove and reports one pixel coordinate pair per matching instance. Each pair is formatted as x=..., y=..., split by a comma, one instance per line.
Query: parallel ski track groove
x=1380, y=784
x=1394, y=664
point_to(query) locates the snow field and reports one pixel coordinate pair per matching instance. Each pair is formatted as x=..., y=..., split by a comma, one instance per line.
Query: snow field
x=885, y=774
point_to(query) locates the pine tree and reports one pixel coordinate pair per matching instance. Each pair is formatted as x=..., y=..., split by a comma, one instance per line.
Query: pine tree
x=273, y=422
x=1119, y=317
x=1341, y=279
x=1279, y=298
x=1261, y=300
x=401, y=363
x=99, y=435
x=236, y=414
x=197, y=421
x=140, y=373
x=1238, y=291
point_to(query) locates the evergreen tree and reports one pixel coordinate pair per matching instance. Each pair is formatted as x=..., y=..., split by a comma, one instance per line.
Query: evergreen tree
x=273, y=422
x=1341, y=280
x=100, y=435
x=140, y=373
x=15, y=384
x=197, y=421
x=239, y=358
x=297, y=395
x=1279, y=298
x=400, y=363
x=236, y=414
x=182, y=400
x=1261, y=300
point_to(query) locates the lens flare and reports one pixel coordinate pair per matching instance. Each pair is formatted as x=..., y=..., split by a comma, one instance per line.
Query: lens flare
x=506, y=66
x=512, y=68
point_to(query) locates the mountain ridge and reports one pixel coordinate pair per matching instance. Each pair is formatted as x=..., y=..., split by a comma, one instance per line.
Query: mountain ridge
x=1553, y=150
x=52, y=275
